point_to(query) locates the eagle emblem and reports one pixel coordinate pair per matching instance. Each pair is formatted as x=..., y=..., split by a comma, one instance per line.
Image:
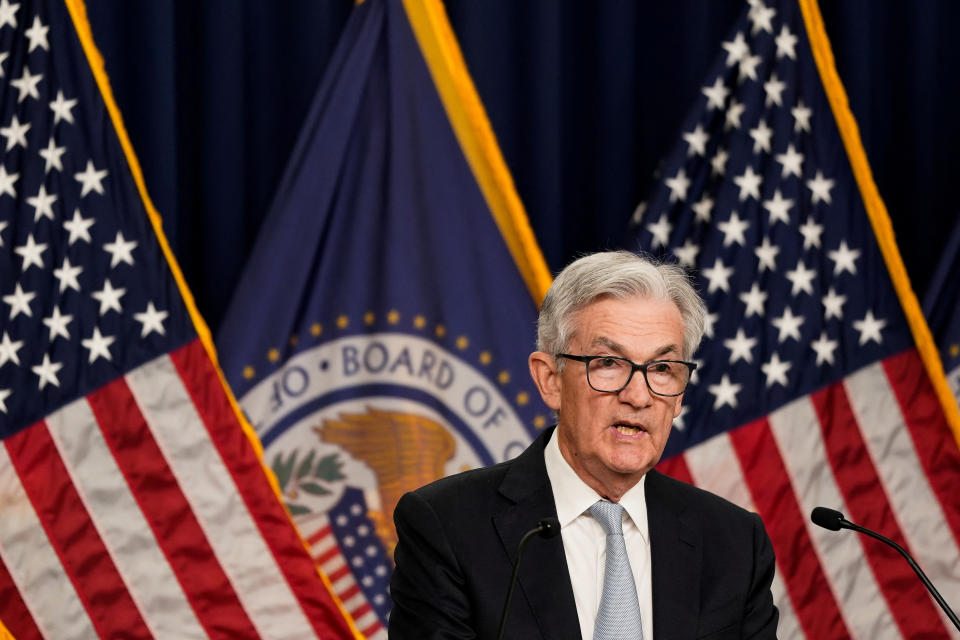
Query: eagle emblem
x=404, y=450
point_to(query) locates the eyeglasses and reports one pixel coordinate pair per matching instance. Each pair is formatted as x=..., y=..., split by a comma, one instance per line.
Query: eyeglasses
x=610, y=374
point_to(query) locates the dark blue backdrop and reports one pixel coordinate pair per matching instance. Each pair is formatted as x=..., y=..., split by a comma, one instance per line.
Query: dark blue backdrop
x=585, y=98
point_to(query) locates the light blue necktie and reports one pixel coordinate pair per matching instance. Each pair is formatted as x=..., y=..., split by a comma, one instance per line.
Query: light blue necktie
x=618, y=617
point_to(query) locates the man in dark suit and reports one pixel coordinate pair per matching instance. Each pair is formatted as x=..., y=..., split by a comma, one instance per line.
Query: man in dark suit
x=640, y=555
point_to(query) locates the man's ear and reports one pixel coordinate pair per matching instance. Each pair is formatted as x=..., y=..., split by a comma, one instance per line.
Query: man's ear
x=543, y=370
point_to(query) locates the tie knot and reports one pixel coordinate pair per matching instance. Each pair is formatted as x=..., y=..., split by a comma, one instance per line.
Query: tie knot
x=609, y=515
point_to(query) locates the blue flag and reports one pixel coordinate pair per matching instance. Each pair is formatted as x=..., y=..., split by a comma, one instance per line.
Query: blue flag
x=941, y=307
x=378, y=338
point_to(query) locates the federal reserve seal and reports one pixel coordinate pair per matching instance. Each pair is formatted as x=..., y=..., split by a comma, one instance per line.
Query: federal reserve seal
x=351, y=424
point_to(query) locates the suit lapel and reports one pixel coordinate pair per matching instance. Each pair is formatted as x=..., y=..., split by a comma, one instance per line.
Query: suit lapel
x=675, y=552
x=544, y=579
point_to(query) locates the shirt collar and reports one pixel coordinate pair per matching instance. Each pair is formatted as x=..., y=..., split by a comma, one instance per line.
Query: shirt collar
x=573, y=496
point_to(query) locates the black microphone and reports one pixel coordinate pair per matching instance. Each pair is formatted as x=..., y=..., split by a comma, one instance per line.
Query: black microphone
x=546, y=528
x=834, y=521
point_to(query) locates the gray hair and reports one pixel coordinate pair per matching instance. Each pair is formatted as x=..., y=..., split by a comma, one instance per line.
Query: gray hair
x=616, y=274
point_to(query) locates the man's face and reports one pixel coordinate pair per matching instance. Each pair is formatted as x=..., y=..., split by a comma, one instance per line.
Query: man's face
x=612, y=439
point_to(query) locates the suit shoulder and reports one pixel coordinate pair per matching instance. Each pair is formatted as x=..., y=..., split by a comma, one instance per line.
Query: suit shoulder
x=699, y=499
x=464, y=485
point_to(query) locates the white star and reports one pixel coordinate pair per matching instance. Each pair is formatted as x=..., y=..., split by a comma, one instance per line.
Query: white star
x=824, y=348
x=761, y=15
x=749, y=183
x=4, y=394
x=661, y=231
x=801, y=116
x=778, y=207
x=820, y=188
x=724, y=393
x=91, y=179
x=802, y=279
x=775, y=370
x=792, y=162
x=120, y=250
x=3, y=225
x=19, y=302
x=761, y=137
x=62, y=109
x=703, y=208
x=37, y=35
x=109, y=297
x=687, y=254
x=844, y=259
x=695, y=375
x=786, y=42
x=733, y=230
x=67, y=275
x=833, y=305
x=774, y=88
x=31, y=252
x=8, y=13
x=42, y=204
x=716, y=95
x=52, y=156
x=811, y=232
x=719, y=161
x=57, y=323
x=637, y=216
x=48, y=372
x=708, y=321
x=718, y=275
x=748, y=67
x=9, y=349
x=3, y=58
x=678, y=186
x=697, y=141
x=678, y=422
x=6, y=182
x=755, y=299
x=732, y=118
x=27, y=85
x=767, y=255
x=869, y=328
x=79, y=228
x=99, y=345
x=788, y=324
x=151, y=319
x=15, y=133
x=736, y=50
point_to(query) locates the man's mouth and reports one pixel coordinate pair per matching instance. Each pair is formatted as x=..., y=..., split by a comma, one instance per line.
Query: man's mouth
x=629, y=428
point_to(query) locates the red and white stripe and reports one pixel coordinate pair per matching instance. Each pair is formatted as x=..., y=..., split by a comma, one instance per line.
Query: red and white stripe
x=876, y=447
x=141, y=510
x=329, y=557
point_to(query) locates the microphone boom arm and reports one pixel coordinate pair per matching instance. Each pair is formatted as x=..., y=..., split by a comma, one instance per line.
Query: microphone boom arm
x=913, y=565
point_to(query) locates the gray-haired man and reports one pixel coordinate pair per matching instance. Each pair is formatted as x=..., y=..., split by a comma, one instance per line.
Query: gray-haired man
x=640, y=555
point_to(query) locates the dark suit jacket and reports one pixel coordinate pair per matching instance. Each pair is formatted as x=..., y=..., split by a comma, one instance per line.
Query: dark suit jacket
x=712, y=562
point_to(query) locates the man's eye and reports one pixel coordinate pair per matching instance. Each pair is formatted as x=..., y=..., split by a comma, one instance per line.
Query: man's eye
x=608, y=362
x=659, y=367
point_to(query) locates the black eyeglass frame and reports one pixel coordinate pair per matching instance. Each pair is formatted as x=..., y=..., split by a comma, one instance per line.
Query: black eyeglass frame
x=634, y=367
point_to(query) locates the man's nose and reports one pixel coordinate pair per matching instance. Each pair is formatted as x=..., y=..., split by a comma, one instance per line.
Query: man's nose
x=636, y=393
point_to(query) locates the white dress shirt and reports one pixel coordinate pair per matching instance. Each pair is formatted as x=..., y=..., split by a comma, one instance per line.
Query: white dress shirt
x=584, y=541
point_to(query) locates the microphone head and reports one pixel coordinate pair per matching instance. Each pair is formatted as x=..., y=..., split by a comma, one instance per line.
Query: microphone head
x=549, y=527
x=827, y=518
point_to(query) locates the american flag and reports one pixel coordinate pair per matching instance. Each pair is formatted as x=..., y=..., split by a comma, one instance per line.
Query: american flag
x=132, y=502
x=344, y=544
x=811, y=390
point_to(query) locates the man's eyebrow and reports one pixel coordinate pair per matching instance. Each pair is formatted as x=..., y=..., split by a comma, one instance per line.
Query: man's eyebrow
x=616, y=347
x=601, y=341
